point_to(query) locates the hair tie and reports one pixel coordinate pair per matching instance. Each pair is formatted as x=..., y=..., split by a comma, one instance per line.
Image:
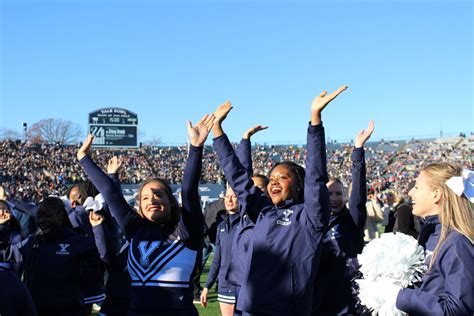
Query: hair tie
x=463, y=184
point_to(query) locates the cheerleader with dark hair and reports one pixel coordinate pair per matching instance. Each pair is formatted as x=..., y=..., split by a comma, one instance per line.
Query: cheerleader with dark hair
x=87, y=224
x=164, y=237
x=285, y=244
x=60, y=265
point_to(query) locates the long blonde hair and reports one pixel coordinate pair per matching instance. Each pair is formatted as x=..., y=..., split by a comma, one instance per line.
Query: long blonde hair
x=457, y=212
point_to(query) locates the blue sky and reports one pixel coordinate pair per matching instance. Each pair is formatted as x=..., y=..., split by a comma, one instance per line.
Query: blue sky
x=408, y=64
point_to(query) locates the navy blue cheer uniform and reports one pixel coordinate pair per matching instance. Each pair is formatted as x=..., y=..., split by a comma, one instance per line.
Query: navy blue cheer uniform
x=342, y=242
x=448, y=287
x=160, y=264
x=285, y=245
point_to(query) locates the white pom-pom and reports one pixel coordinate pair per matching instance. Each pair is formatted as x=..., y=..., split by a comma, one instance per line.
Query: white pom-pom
x=388, y=264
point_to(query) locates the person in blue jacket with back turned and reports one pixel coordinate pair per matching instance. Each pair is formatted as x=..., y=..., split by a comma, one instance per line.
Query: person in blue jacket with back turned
x=443, y=196
x=344, y=239
x=285, y=243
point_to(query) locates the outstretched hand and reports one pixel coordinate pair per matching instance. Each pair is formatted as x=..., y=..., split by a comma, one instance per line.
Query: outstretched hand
x=114, y=164
x=221, y=112
x=363, y=136
x=198, y=134
x=253, y=130
x=320, y=102
x=86, y=147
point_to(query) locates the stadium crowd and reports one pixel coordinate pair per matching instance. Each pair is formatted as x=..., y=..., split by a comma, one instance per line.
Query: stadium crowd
x=35, y=171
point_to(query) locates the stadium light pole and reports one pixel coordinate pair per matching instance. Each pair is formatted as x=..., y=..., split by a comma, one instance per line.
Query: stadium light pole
x=25, y=128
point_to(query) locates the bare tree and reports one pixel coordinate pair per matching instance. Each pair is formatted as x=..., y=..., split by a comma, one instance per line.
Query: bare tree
x=9, y=134
x=154, y=141
x=55, y=130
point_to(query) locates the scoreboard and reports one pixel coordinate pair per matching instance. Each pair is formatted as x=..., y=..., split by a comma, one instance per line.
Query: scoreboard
x=114, y=128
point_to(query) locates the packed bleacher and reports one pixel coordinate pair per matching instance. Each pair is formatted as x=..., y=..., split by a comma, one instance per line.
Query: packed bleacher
x=39, y=170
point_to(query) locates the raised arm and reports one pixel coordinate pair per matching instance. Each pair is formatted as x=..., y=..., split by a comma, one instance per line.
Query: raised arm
x=358, y=198
x=113, y=169
x=192, y=216
x=106, y=186
x=316, y=197
x=22, y=207
x=244, y=149
x=236, y=174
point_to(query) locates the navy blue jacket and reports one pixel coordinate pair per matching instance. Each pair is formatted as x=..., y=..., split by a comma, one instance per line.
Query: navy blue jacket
x=242, y=235
x=60, y=268
x=342, y=242
x=118, y=285
x=160, y=263
x=79, y=219
x=448, y=287
x=15, y=300
x=240, y=247
x=285, y=244
x=223, y=253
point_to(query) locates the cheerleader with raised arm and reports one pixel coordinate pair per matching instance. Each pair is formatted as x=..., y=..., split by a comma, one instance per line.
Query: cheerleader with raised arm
x=285, y=244
x=164, y=237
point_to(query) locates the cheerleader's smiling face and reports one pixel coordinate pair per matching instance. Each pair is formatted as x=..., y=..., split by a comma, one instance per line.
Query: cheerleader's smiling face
x=424, y=197
x=282, y=185
x=336, y=196
x=155, y=204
